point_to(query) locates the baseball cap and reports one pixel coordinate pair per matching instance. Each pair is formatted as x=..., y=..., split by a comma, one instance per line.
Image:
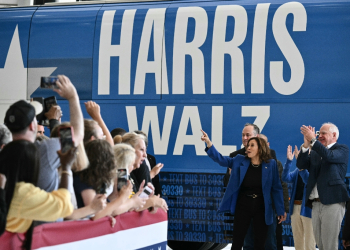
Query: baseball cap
x=21, y=114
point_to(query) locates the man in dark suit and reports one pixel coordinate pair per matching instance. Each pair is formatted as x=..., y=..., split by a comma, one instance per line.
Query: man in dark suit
x=250, y=130
x=327, y=164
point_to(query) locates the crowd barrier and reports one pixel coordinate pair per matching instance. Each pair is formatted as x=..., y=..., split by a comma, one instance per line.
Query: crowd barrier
x=142, y=231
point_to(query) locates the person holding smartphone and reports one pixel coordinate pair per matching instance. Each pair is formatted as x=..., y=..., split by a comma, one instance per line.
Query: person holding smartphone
x=137, y=141
x=19, y=162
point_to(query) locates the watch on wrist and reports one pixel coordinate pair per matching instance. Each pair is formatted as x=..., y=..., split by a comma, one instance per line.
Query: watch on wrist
x=312, y=141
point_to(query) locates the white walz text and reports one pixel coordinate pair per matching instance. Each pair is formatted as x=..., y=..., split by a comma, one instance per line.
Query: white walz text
x=154, y=21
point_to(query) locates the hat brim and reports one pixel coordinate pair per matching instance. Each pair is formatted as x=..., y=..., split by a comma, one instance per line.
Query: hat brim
x=37, y=106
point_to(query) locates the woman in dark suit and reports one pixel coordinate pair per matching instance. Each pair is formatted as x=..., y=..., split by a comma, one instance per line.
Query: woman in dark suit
x=254, y=180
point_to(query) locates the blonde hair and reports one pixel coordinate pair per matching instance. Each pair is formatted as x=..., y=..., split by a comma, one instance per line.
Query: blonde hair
x=124, y=155
x=129, y=138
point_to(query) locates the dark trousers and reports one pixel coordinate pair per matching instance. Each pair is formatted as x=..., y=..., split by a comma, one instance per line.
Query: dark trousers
x=279, y=236
x=248, y=209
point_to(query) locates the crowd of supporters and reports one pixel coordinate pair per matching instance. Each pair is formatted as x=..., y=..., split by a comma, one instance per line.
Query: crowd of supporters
x=40, y=183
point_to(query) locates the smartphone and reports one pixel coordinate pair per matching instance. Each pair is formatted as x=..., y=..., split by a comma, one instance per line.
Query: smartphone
x=48, y=82
x=146, y=192
x=49, y=102
x=66, y=138
x=103, y=189
x=122, y=178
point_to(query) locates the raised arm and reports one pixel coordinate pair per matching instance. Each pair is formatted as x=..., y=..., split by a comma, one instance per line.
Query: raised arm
x=303, y=160
x=286, y=175
x=94, y=111
x=223, y=161
x=67, y=90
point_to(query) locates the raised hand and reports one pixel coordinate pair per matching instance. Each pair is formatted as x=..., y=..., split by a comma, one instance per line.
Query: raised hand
x=309, y=133
x=206, y=139
x=296, y=152
x=67, y=158
x=290, y=154
x=156, y=169
x=65, y=88
x=126, y=191
x=98, y=203
x=93, y=109
x=55, y=112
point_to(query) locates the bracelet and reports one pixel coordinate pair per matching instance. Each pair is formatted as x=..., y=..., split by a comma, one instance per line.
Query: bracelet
x=66, y=172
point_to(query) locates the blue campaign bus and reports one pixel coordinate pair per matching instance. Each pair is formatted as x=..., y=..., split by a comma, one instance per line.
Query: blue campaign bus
x=171, y=68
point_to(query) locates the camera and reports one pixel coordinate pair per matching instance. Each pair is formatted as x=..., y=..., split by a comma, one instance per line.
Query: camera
x=47, y=104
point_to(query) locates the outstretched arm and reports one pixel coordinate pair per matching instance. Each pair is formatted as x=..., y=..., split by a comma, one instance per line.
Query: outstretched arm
x=223, y=161
x=67, y=90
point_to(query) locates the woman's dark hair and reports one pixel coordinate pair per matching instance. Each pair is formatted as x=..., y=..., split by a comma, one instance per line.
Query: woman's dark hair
x=102, y=168
x=263, y=149
x=19, y=161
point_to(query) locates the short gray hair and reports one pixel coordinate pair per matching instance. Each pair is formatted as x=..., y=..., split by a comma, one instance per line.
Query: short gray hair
x=255, y=128
x=5, y=135
x=332, y=128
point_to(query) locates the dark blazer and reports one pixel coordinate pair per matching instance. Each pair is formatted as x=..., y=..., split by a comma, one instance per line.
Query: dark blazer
x=271, y=184
x=242, y=152
x=327, y=168
x=155, y=180
x=233, y=154
x=143, y=173
x=140, y=174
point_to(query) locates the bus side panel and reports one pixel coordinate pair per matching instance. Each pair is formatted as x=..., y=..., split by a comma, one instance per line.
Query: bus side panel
x=61, y=41
x=14, y=37
x=239, y=51
x=128, y=51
